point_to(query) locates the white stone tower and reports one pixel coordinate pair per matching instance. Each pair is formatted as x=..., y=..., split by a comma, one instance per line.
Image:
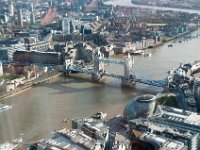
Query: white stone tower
x=127, y=71
x=98, y=65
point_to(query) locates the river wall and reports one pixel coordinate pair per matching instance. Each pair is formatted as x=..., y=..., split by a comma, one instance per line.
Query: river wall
x=48, y=76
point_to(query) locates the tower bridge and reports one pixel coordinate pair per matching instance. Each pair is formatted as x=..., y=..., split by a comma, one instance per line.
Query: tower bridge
x=132, y=74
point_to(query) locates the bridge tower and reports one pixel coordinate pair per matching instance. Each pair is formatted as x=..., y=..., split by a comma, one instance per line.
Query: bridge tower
x=98, y=65
x=128, y=64
x=67, y=66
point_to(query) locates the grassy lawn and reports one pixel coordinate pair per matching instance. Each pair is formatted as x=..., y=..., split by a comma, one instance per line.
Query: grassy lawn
x=10, y=77
x=167, y=38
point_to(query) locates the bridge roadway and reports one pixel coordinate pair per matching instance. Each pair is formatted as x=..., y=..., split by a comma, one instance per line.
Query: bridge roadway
x=134, y=79
x=157, y=83
x=114, y=61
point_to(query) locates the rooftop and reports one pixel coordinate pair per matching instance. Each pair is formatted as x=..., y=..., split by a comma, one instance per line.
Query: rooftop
x=179, y=115
x=139, y=125
x=70, y=139
x=162, y=142
x=95, y=123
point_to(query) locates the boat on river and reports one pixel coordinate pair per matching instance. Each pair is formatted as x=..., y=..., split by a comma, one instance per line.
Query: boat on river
x=170, y=45
x=136, y=52
x=4, y=107
x=148, y=55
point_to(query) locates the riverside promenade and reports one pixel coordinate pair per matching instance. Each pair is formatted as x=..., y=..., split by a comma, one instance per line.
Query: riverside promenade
x=43, y=78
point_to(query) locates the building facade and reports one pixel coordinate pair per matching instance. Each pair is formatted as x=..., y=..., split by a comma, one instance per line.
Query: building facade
x=1, y=69
x=66, y=25
x=38, y=57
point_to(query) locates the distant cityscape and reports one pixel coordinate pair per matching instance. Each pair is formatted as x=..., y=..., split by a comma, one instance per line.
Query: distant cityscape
x=41, y=41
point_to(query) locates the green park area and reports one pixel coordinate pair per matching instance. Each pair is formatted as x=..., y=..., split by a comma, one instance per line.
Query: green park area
x=167, y=38
x=168, y=100
x=10, y=77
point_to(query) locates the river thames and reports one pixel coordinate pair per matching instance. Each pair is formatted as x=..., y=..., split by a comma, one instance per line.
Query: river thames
x=129, y=3
x=41, y=109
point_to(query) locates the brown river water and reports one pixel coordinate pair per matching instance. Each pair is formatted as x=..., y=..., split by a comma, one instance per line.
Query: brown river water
x=41, y=109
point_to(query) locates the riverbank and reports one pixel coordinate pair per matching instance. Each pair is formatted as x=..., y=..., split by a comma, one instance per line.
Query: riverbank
x=28, y=86
x=130, y=4
x=15, y=92
x=176, y=37
x=168, y=39
x=164, y=5
x=181, y=35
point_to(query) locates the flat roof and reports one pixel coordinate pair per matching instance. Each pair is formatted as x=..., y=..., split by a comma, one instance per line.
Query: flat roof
x=193, y=119
x=162, y=142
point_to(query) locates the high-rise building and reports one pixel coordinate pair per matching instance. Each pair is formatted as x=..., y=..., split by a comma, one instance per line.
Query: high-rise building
x=5, y=18
x=32, y=16
x=20, y=17
x=1, y=69
x=32, y=7
x=11, y=8
x=50, y=3
x=66, y=25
